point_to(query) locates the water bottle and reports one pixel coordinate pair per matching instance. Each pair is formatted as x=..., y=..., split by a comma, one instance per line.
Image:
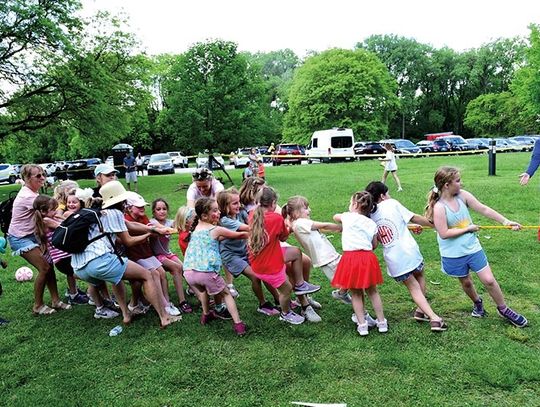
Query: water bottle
x=117, y=330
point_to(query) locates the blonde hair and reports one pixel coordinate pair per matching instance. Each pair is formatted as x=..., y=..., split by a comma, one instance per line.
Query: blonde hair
x=182, y=216
x=224, y=199
x=258, y=237
x=442, y=176
x=26, y=171
x=363, y=202
x=249, y=189
x=42, y=203
x=294, y=205
x=62, y=190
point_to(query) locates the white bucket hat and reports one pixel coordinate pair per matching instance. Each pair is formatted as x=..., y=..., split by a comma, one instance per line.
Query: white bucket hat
x=113, y=192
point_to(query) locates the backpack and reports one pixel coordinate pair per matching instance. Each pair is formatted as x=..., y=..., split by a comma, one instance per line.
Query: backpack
x=6, y=210
x=71, y=236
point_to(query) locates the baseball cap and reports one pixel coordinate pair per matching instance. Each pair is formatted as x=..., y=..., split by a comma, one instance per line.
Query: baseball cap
x=134, y=199
x=104, y=169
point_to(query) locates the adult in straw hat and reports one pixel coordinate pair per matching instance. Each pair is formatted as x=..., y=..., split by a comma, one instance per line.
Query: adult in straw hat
x=99, y=262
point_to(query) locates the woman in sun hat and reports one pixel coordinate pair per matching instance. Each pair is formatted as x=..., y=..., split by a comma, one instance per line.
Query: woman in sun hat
x=99, y=262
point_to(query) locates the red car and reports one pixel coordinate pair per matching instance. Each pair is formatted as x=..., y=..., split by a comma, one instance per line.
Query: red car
x=291, y=150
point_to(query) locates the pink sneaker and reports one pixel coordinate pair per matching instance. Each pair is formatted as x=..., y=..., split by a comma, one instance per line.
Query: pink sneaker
x=239, y=328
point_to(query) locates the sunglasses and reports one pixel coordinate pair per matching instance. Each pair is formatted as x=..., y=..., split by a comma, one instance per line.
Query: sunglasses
x=201, y=176
x=38, y=176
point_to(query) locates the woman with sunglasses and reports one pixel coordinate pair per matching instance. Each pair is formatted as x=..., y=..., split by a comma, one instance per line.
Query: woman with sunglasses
x=204, y=185
x=24, y=243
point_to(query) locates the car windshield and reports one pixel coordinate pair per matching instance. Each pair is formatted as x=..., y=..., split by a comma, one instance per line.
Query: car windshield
x=3, y=166
x=404, y=143
x=174, y=154
x=159, y=157
x=289, y=148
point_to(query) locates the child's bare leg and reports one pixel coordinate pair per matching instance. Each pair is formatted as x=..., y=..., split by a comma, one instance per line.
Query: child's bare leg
x=156, y=277
x=93, y=292
x=421, y=281
x=468, y=287
x=256, y=285
x=228, y=277
x=306, y=266
x=136, y=293
x=419, y=299
x=376, y=302
x=203, y=298
x=284, y=291
x=294, y=256
x=394, y=174
x=358, y=305
x=164, y=284
x=488, y=279
x=384, y=176
x=231, y=306
x=176, y=269
x=35, y=258
x=72, y=284
x=119, y=291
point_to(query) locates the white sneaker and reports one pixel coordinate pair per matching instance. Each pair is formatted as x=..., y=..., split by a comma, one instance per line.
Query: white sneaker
x=313, y=303
x=172, y=310
x=232, y=289
x=369, y=319
x=105, y=313
x=400, y=189
x=345, y=298
x=362, y=329
x=310, y=314
x=382, y=326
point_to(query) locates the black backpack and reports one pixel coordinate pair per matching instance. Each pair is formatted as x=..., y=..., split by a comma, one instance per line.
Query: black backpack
x=6, y=210
x=71, y=236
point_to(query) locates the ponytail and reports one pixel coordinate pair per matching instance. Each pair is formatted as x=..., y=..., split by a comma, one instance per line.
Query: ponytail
x=258, y=237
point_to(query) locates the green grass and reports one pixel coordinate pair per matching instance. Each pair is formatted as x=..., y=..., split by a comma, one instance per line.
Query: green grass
x=69, y=359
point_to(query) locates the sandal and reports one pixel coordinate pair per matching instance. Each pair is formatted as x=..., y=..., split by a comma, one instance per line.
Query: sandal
x=438, y=326
x=44, y=310
x=61, y=306
x=185, y=307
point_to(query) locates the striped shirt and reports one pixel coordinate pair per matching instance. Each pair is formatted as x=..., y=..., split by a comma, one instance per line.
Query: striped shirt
x=55, y=254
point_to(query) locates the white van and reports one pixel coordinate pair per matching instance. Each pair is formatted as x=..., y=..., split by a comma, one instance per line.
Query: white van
x=331, y=145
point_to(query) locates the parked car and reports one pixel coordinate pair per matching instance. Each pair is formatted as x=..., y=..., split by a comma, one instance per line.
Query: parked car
x=370, y=148
x=146, y=159
x=202, y=160
x=457, y=143
x=478, y=144
x=426, y=146
x=160, y=164
x=82, y=169
x=515, y=145
x=294, y=151
x=335, y=144
x=358, y=146
x=526, y=141
x=179, y=159
x=402, y=146
x=434, y=146
x=48, y=168
x=263, y=150
x=8, y=173
x=241, y=157
x=110, y=161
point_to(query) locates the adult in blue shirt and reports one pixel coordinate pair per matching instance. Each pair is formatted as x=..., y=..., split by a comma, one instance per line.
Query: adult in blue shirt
x=131, y=171
x=533, y=164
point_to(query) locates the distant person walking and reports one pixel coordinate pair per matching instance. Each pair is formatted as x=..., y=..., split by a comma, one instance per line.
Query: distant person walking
x=390, y=165
x=139, y=161
x=131, y=171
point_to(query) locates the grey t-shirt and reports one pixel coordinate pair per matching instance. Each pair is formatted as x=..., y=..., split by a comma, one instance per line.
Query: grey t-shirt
x=230, y=248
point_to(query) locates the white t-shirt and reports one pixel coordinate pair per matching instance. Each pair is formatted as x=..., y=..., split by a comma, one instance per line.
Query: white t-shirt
x=391, y=164
x=193, y=192
x=400, y=250
x=315, y=243
x=358, y=232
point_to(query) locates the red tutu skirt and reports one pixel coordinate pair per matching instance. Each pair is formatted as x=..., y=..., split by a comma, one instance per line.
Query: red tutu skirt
x=357, y=269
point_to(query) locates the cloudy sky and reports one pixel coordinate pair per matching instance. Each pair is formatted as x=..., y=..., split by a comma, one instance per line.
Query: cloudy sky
x=302, y=25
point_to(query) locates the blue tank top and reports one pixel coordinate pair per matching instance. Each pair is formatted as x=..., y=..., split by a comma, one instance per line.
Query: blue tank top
x=463, y=245
x=202, y=253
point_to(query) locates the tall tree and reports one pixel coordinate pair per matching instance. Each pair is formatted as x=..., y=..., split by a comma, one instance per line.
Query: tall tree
x=341, y=88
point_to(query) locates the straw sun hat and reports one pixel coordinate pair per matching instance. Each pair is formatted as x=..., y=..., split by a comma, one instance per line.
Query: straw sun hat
x=113, y=192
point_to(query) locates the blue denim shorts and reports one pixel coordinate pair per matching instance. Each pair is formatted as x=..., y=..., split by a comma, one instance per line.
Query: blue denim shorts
x=20, y=245
x=406, y=276
x=236, y=265
x=103, y=268
x=460, y=266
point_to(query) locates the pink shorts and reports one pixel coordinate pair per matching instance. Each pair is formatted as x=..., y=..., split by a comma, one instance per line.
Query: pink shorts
x=210, y=282
x=170, y=256
x=275, y=279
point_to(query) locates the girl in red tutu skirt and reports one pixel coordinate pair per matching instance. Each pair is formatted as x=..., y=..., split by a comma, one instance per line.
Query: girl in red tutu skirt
x=359, y=270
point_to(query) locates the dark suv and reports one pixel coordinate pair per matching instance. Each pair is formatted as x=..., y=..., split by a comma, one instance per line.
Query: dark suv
x=82, y=169
x=291, y=150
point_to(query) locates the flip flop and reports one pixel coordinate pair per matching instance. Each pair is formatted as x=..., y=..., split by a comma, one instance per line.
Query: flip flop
x=61, y=306
x=44, y=310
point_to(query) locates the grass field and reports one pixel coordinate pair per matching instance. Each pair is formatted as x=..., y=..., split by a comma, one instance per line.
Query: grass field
x=68, y=359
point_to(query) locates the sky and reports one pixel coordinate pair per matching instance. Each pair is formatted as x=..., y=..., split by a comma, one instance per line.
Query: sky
x=172, y=26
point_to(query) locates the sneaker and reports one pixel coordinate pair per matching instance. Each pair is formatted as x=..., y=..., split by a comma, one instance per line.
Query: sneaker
x=91, y=301
x=78, y=299
x=306, y=288
x=232, y=289
x=478, y=310
x=185, y=308
x=419, y=316
x=362, y=329
x=223, y=314
x=206, y=318
x=345, y=298
x=111, y=304
x=513, y=317
x=138, y=309
x=172, y=310
x=294, y=304
x=314, y=304
x=438, y=326
x=369, y=319
x=310, y=314
x=292, y=318
x=105, y=313
x=239, y=328
x=382, y=326
x=267, y=309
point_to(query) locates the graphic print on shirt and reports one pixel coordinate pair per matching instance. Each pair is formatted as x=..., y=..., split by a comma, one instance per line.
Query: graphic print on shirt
x=387, y=232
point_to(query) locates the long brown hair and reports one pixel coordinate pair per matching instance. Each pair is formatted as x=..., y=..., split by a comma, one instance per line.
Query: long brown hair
x=293, y=206
x=442, y=176
x=224, y=199
x=249, y=189
x=363, y=201
x=258, y=237
x=42, y=203
x=202, y=207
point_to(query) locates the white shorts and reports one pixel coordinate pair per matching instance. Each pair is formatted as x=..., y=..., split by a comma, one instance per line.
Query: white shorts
x=330, y=269
x=131, y=176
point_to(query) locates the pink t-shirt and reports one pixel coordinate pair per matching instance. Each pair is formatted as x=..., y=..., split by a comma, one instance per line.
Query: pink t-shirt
x=22, y=220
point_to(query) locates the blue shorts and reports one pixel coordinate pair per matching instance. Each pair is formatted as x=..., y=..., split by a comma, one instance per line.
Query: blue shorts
x=236, y=265
x=103, y=268
x=20, y=245
x=406, y=276
x=460, y=266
